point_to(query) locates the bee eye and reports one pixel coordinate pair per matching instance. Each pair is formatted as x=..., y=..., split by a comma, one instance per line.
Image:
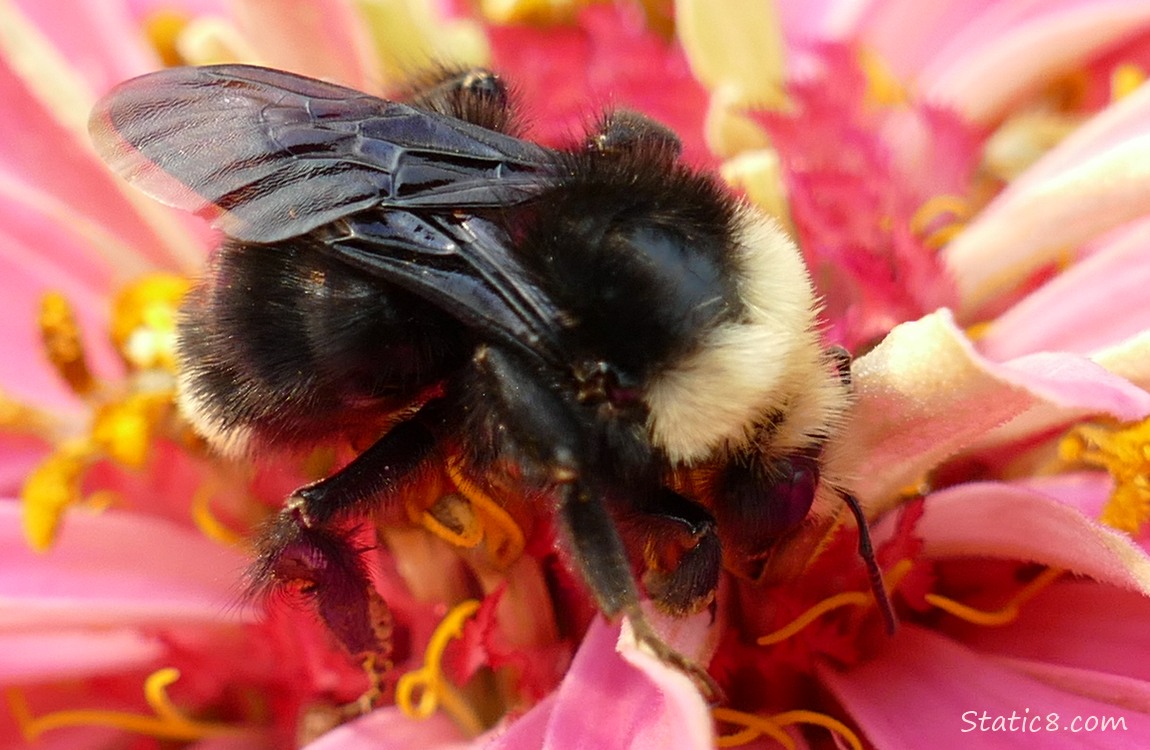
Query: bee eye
x=764, y=500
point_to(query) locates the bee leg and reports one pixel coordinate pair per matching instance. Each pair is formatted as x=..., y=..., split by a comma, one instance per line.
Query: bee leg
x=598, y=551
x=300, y=548
x=678, y=540
x=625, y=131
x=476, y=95
x=543, y=432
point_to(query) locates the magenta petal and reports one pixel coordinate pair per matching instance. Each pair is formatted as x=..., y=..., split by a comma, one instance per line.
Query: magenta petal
x=1077, y=624
x=927, y=691
x=113, y=569
x=68, y=654
x=1115, y=690
x=390, y=729
x=606, y=700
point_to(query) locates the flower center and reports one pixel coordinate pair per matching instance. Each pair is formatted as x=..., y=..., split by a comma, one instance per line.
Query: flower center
x=125, y=415
x=1125, y=453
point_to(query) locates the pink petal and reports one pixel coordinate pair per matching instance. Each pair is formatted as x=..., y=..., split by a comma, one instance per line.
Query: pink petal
x=924, y=395
x=70, y=654
x=1085, y=491
x=1076, y=624
x=319, y=38
x=1094, y=181
x=636, y=701
x=906, y=35
x=927, y=691
x=390, y=729
x=1031, y=527
x=1114, y=690
x=116, y=568
x=1099, y=302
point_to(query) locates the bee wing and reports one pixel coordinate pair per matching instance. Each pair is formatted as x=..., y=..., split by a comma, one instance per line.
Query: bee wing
x=463, y=264
x=268, y=155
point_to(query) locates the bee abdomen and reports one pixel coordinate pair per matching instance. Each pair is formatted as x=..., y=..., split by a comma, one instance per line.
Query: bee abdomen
x=282, y=344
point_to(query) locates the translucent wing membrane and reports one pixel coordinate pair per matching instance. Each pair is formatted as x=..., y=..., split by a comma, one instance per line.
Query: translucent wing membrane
x=269, y=155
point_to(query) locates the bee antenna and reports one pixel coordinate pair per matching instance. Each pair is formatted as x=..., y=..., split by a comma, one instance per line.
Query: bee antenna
x=874, y=572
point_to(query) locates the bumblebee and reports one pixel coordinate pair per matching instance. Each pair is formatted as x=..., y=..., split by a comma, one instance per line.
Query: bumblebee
x=601, y=317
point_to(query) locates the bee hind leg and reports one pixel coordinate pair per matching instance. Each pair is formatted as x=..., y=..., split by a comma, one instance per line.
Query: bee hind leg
x=302, y=547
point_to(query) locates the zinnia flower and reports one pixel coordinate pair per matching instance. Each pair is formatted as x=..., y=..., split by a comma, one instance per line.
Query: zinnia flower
x=965, y=180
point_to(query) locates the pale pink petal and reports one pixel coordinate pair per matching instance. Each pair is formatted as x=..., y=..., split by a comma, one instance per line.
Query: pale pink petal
x=1099, y=302
x=1096, y=180
x=1077, y=624
x=926, y=691
x=19, y=454
x=37, y=149
x=101, y=39
x=649, y=707
x=1115, y=690
x=68, y=654
x=113, y=569
x=1031, y=527
x=319, y=38
x=924, y=395
x=906, y=34
x=1018, y=45
x=390, y=729
x=1129, y=359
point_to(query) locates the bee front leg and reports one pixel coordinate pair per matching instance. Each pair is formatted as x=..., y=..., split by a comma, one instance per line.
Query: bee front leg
x=678, y=540
x=545, y=433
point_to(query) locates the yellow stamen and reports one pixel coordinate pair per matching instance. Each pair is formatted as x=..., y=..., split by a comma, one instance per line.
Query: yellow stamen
x=163, y=29
x=883, y=87
x=168, y=723
x=1124, y=453
x=420, y=692
x=753, y=728
x=504, y=537
x=61, y=336
x=206, y=521
x=20, y=418
x=451, y=519
x=144, y=320
x=531, y=11
x=772, y=726
x=1125, y=79
x=1006, y=614
x=845, y=599
x=123, y=430
x=955, y=209
x=50, y=489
